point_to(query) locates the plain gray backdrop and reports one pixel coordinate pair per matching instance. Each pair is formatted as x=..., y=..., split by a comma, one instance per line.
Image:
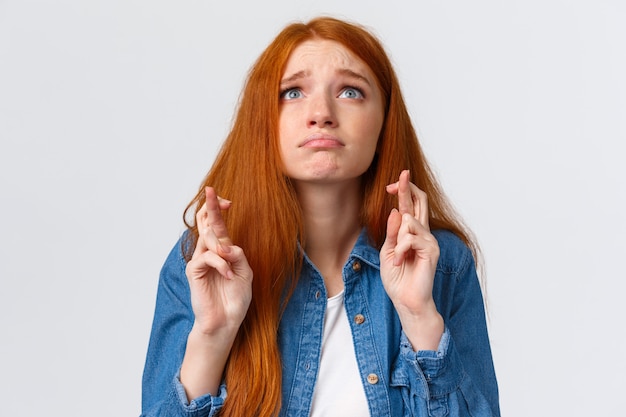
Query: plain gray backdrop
x=111, y=112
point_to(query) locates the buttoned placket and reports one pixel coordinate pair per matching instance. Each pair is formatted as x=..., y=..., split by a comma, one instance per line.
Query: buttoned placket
x=309, y=351
x=366, y=353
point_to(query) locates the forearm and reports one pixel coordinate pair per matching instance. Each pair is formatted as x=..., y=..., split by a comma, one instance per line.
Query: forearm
x=423, y=328
x=204, y=362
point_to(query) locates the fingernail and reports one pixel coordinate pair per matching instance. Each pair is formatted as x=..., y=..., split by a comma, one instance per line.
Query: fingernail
x=223, y=200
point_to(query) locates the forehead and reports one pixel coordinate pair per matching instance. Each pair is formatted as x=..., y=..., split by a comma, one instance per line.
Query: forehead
x=319, y=53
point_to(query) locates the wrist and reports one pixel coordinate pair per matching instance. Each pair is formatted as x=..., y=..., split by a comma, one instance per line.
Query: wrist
x=212, y=338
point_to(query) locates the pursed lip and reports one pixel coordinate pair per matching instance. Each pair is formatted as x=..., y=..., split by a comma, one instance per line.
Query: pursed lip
x=321, y=140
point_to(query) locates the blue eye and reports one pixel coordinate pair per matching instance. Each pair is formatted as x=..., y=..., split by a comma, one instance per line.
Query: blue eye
x=291, y=94
x=351, y=92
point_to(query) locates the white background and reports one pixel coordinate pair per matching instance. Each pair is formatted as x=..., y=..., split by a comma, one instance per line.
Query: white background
x=111, y=112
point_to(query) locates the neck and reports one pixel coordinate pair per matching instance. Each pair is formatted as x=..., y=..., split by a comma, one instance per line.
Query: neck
x=331, y=217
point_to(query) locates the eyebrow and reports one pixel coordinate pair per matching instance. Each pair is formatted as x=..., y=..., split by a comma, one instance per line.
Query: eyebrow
x=352, y=74
x=342, y=71
x=296, y=76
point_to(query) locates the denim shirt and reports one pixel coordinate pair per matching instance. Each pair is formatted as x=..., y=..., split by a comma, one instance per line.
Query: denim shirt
x=456, y=380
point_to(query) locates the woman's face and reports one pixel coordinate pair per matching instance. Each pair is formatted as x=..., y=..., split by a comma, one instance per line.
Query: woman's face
x=331, y=113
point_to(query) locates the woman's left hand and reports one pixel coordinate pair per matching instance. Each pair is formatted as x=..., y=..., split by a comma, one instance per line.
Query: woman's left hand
x=408, y=260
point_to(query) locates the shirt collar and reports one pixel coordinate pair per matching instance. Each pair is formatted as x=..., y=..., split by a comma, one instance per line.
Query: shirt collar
x=364, y=250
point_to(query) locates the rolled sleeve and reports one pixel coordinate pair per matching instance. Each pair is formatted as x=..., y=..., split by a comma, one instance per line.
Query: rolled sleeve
x=434, y=382
x=175, y=403
x=428, y=373
x=204, y=406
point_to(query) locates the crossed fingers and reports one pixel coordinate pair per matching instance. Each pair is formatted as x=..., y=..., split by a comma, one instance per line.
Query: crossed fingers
x=411, y=200
x=412, y=230
x=212, y=232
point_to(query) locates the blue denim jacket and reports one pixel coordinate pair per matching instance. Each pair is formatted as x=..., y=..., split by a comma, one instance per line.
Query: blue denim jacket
x=456, y=380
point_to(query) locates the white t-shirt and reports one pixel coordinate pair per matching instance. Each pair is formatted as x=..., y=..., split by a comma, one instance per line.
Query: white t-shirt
x=339, y=389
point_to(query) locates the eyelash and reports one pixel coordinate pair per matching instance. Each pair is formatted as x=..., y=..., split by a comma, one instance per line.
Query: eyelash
x=351, y=87
x=284, y=91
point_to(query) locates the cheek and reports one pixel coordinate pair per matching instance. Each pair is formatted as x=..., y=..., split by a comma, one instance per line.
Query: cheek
x=287, y=139
x=373, y=127
x=369, y=146
x=287, y=122
x=284, y=133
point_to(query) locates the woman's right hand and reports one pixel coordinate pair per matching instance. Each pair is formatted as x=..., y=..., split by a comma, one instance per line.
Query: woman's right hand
x=220, y=279
x=220, y=282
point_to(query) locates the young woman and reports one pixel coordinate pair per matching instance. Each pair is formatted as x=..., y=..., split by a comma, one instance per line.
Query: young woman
x=330, y=277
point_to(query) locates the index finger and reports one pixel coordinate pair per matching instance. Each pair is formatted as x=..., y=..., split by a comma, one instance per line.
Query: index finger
x=214, y=217
x=420, y=206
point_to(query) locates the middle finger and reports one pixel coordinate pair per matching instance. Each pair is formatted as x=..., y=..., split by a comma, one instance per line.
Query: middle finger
x=405, y=196
x=215, y=221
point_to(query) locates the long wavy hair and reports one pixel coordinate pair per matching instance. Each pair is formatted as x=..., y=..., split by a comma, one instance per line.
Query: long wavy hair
x=265, y=218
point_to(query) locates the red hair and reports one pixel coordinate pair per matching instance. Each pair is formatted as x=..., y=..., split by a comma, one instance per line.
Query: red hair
x=265, y=218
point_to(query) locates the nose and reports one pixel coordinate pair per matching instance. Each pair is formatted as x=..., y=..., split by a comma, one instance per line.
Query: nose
x=321, y=112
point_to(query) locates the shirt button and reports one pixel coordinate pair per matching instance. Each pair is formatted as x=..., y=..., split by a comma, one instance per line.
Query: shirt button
x=372, y=379
x=356, y=266
x=317, y=294
x=359, y=319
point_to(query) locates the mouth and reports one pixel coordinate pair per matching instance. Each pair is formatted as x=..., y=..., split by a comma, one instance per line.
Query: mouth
x=321, y=140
